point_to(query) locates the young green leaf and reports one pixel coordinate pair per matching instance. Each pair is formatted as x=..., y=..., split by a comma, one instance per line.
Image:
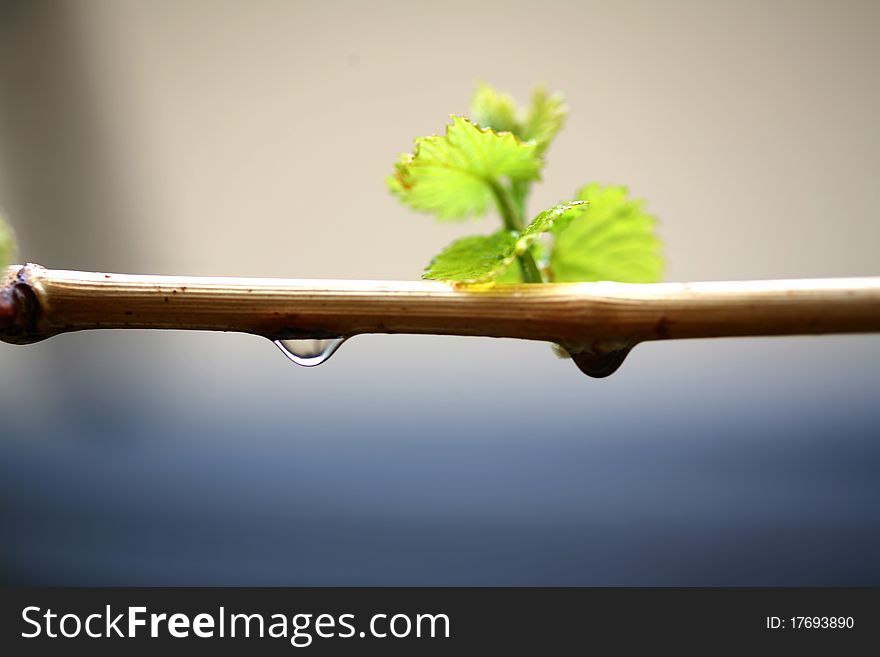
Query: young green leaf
x=612, y=240
x=474, y=259
x=484, y=258
x=492, y=109
x=453, y=175
x=545, y=118
x=7, y=242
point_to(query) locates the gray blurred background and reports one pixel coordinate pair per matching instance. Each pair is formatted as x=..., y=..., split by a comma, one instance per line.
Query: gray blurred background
x=252, y=138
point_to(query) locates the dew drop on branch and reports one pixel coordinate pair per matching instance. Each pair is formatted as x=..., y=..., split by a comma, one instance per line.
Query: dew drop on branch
x=599, y=366
x=309, y=352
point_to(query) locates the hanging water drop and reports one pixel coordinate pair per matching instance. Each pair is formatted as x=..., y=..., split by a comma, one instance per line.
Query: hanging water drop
x=309, y=352
x=599, y=366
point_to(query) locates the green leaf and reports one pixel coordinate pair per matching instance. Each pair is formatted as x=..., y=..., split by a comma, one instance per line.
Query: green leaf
x=7, y=242
x=545, y=118
x=547, y=219
x=474, y=259
x=483, y=258
x=492, y=109
x=452, y=175
x=612, y=240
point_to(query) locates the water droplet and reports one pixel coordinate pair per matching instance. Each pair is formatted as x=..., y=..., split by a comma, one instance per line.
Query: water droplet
x=309, y=352
x=599, y=366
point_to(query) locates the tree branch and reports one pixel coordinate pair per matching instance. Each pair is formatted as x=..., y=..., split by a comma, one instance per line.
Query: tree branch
x=37, y=303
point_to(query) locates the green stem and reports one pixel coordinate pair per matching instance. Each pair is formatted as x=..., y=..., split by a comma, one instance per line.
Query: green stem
x=529, y=268
x=519, y=190
x=513, y=220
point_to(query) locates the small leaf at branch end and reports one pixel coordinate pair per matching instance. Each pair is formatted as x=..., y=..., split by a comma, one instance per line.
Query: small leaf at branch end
x=492, y=109
x=545, y=118
x=7, y=242
x=451, y=175
x=475, y=259
x=613, y=239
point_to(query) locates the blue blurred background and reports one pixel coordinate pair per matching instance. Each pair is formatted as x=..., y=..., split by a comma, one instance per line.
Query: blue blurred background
x=241, y=138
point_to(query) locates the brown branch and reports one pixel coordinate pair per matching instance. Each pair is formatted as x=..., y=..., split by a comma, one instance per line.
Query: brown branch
x=37, y=303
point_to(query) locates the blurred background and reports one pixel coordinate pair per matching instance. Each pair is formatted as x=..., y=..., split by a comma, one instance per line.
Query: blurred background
x=252, y=139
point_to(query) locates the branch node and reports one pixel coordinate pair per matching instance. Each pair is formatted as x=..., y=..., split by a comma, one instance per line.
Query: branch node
x=20, y=307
